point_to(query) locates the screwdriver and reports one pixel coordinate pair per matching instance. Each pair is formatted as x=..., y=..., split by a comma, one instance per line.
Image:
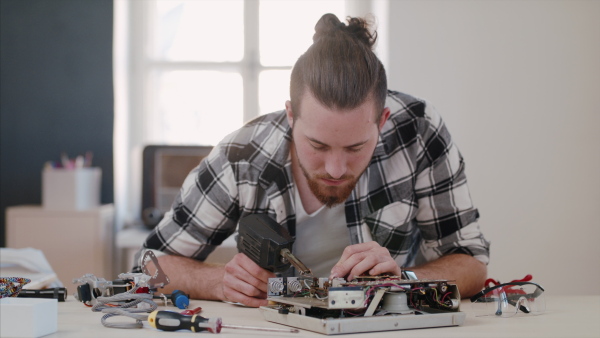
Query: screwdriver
x=173, y=321
x=178, y=298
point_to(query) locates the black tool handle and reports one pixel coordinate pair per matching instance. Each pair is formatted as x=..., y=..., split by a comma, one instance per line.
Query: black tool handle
x=173, y=321
x=57, y=293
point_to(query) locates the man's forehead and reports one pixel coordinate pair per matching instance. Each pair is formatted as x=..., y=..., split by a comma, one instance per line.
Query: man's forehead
x=334, y=129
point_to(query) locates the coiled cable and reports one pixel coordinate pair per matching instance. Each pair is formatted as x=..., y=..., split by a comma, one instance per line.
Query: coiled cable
x=127, y=306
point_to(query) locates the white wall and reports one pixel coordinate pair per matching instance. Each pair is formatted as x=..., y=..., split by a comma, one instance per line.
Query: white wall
x=518, y=84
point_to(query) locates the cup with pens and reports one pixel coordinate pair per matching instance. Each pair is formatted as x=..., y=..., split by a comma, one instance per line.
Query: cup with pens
x=71, y=183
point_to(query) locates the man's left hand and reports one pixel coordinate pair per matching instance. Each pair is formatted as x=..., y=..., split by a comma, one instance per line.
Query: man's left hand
x=365, y=257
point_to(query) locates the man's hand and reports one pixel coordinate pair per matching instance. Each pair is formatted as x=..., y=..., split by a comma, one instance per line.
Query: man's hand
x=245, y=282
x=365, y=257
x=240, y=280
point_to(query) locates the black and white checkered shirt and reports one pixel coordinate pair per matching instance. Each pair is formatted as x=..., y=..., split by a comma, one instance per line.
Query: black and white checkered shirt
x=412, y=199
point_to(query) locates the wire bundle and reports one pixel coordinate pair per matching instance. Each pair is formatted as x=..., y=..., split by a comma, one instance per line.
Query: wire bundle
x=125, y=304
x=11, y=286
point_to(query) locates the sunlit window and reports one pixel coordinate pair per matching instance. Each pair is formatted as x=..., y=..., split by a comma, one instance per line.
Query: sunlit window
x=189, y=72
x=206, y=75
x=193, y=30
x=195, y=106
x=283, y=38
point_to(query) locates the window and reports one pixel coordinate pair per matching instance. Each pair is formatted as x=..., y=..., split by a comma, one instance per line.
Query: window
x=211, y=65
x=191, y=71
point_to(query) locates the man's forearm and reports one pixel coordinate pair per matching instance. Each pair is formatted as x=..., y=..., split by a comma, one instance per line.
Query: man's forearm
x=468, y=273
x=199, y=280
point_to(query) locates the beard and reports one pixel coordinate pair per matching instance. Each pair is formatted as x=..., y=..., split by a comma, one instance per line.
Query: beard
x=329, y=195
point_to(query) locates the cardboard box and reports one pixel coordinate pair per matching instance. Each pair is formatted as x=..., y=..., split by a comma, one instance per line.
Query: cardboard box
x=71, y=189
x=28, y=317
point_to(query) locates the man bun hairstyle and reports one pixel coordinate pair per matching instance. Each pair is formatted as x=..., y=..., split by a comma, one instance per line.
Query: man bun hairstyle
x=340, y=68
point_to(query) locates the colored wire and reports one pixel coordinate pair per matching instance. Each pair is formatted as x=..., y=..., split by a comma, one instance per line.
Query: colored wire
x=11, y=286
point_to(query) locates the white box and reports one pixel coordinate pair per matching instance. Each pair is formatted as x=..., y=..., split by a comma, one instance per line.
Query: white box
x=71, y=189
x=28, y=317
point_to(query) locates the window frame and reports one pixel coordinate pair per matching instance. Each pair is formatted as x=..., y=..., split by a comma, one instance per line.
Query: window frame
x=132, y=69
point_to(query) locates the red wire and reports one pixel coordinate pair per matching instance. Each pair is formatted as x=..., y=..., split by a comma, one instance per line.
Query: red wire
x=527, y=278
x=490, y=281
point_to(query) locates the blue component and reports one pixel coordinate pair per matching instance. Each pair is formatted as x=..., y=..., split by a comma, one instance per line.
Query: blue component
x=180, y=299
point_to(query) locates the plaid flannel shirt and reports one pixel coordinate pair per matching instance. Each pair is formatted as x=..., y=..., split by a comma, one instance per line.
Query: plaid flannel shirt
x=412, y=199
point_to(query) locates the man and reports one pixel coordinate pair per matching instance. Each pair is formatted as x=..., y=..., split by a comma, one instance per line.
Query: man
x=367, y=180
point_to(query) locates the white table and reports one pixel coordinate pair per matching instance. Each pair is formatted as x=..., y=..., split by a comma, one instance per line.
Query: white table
x=577, y=316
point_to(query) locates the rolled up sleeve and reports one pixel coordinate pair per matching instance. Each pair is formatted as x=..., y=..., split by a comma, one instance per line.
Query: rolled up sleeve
x=446, y=216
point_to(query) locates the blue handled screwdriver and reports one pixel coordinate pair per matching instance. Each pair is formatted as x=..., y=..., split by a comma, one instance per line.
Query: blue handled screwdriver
x=173, y=321
x=178, y=298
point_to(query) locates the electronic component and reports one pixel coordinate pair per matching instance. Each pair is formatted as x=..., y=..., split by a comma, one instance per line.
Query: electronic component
x=346, y=297
x=92, y=287
x=366, y=304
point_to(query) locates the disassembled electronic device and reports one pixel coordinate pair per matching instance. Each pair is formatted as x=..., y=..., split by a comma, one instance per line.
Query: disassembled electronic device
x=92, y=287
x=132, y=296
x=366, y=304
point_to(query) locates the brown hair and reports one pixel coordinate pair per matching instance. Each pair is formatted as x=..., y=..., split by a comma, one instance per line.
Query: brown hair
x=340, y=68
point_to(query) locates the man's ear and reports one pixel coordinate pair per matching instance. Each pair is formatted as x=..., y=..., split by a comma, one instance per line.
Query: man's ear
x=385, y=115
x=289, y=113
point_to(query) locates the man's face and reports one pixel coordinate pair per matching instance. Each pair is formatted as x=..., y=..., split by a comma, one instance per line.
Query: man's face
x=333, y=147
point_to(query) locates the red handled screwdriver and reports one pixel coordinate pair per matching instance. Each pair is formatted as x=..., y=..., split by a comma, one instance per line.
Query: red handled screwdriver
x=191, y=312
x=173, y=321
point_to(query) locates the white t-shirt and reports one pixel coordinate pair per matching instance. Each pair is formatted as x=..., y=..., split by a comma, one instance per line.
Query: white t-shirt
x=321, y=237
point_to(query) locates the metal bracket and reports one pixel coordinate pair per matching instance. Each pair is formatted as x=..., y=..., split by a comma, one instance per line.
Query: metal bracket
x=375, y=302
x=158, y=279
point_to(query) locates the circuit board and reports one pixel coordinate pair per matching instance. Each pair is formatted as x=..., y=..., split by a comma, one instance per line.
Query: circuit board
x=366, y=304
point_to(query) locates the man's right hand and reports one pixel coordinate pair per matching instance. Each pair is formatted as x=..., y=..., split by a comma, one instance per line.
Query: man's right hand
x=245, y=282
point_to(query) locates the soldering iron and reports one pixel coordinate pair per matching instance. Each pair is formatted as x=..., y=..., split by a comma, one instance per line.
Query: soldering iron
x=268, y=244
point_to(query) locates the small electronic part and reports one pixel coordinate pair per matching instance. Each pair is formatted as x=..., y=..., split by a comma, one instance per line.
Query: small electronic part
x=268, y=244
x=288, y=286
x=406, y=274
x=92, y=287
x=346, y=297
x=366, y=304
